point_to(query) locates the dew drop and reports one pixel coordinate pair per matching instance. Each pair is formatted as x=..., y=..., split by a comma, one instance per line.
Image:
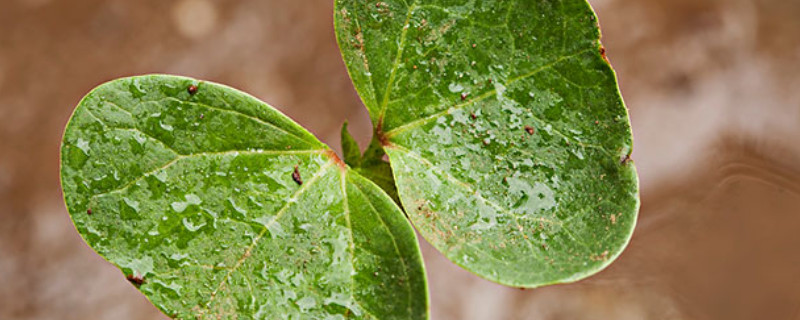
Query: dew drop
x=131, y=203
x=83, y=145
x=306, y=303
x=455, y=88
x=191, y=226
x=166, y=126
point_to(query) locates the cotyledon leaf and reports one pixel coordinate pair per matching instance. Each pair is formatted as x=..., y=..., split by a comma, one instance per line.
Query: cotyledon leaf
x=217, y=206
x=508, y=138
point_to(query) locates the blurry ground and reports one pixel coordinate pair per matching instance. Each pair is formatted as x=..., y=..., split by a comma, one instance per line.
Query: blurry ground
x=712, y=86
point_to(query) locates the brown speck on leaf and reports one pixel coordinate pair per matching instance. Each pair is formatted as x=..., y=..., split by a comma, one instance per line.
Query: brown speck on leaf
x=603, y=53
x=135, y=280
x=529, y=130
x=288, y=147
x=613, y=219
x=625, y=160
x=415, y=67
x=89, y=211
x=464, y=96
x=600, y=257
x=473, y=116
x=296, y=176
x=192, y=89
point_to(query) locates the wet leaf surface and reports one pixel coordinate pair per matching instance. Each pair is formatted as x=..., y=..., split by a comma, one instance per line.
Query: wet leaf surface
x=215, y=205
x=506, y=132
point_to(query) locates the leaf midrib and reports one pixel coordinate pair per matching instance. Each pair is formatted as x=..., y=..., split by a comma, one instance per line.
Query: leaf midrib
x=396, y=65
x=180, y=158
x=490, y=93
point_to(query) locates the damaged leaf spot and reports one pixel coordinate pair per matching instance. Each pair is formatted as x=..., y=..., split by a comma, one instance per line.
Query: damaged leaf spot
x=296, y=176
x=529, y=130
x=136, y=280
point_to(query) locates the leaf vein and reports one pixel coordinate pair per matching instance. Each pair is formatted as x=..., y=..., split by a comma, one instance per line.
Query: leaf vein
x=484, y=96
x=394, y=242
x=398, y=58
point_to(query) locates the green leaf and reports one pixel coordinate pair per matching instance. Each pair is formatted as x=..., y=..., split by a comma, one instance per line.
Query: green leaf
x=218, y=206
x=381, y=174
x=505, y=129
x=352, y=154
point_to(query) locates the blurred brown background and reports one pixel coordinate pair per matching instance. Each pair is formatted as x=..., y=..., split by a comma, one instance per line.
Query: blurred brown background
x=713, y=87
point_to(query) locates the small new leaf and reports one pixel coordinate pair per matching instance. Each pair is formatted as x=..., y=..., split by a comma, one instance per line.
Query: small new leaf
x=371, y=165
x=352, y=154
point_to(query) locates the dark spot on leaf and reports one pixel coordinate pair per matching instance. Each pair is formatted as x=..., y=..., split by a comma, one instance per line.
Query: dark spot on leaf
x=296, y=176
x=89, y=211
x=603, y=53
x=464, y=96
x=192, y=89
x=529, y=130
x=625, y=160
x=135, y=280
x=473, y=116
